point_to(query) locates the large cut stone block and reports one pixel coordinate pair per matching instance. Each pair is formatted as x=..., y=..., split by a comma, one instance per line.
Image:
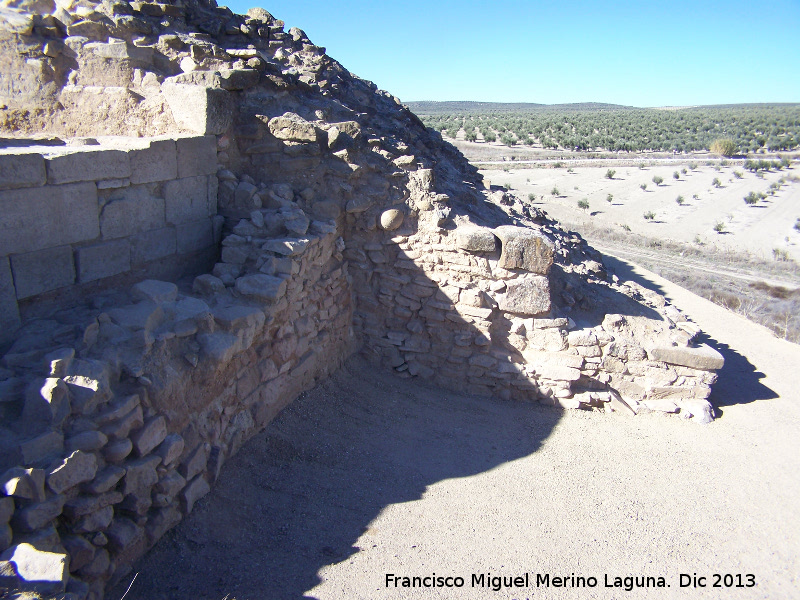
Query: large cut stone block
x=157, y=162
x=42, y=271
x=9, y=311
x=103, y=260
x=475, y=239
x=528, y=296
x=44, y=217
x=88, y=165
x=703, y=357
x=42, y=572
x=152, y=245
x=21, y=170
x=199, y=109
x=131, y=210
x=186, y=199
x=194, y=236
x=197, y=155
x=525, y=249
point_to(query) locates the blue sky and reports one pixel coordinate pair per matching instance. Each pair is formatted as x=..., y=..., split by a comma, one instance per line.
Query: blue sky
x=642, y=53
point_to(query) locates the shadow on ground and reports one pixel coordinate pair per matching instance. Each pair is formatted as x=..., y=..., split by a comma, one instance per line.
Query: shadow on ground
x=300, y=495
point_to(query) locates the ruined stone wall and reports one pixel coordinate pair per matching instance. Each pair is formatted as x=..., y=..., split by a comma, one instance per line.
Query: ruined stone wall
x=78, y=215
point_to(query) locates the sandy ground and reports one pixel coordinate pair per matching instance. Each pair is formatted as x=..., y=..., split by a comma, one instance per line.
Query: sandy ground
x=370, y=474
x=757, y=229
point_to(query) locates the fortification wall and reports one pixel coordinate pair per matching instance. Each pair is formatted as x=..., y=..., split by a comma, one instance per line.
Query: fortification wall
x=75, y=216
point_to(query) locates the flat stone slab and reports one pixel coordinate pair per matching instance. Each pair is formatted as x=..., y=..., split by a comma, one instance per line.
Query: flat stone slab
x=524, y=249
x=528, y=296
x=261, y=287
x=703, y=357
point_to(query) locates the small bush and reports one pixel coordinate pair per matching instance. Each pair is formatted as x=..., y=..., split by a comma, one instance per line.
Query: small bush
x=797, y=225
x=738, y=174
x=695, y=197
x=583, y=204
x=558, y=165
x=679, y=200
x=676, y=175
x=570, y=170
x=625, y=227
x=684, y=171
x=649, y=215
x=724, y=147
x=642, y=166
x=532, y=197
x=471, y=136
x=555, y=192
x=719, y=227
x=506, y=186
x=610, y=198
x=751, y=198
x=644, y=187
x=610, y=174
x=780, y=254
x=693, y=166
x=658, y=180
x=716, y=182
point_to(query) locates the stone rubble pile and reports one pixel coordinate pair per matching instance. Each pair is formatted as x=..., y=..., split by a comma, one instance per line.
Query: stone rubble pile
x=348, y=226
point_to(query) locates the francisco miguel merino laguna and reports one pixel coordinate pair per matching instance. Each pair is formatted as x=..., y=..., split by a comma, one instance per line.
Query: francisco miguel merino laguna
x=499, y=582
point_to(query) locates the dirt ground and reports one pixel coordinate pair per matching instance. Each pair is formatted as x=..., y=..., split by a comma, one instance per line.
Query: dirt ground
x=756, y=229
x=369, y=474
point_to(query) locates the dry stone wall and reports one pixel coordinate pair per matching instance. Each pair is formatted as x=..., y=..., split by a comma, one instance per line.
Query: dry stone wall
x=340, y=224
x=78, y=215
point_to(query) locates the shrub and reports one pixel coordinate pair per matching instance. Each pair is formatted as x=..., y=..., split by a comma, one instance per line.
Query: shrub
x=724, y=147
x=489, y=136
x=751, y=198
x=625, y=227
x=570, y=170
x=679, y=200
x=797, y=225
x=471, y=136
x=693, y=166
x=583, y=204
x=716, y=182
x=555, y=192
x=676, y=175
x=719, y=227
x=658, y=180
x=644, y=187
x=738, y=174
x=684, y=171
x=610, y=174
x=780, y=254
x=532, y=197
x=506, y=186
x=610, y=198
x=649, y=215
x=642, y=165
x=558, y=165
x=695, y=197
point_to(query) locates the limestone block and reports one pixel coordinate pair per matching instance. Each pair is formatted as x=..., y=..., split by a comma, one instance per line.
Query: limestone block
x=526, y=296
x=120, y=428
x=130, y=211
x=293, y=127
x=156, y=291
x=37, y=516
x=46, y=401
x=125, y=539
x=25, y=484
x=80, y=550
x=219, y=347
x=475, y=239
x=162, y=521
x=194, y=236
x=667, y=406
x=265, y=288
x=140, y=474
x=103, y=260
x=142, y=315
x=43, y=446
x=76, y=468
x=195, y=490
x=42, y=270
x=703, y=357
x=149, y=436
x=286, y=246
x=105, y=480
x=186, y=199
x=199, y=109
x=524, y=249
x=6, y=509
x=699, y=410
x=196, y=462
x=9, y=310
x=21, y=170
x=152, y=245
x=87, y=441
x=391, y=219
x=87, y=164
x=121, y=50
x=197, y=155
x=41, y=572
x=118, y=450
x=48, y=216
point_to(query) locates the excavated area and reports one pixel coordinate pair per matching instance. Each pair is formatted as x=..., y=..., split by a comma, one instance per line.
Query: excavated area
x=203, y=216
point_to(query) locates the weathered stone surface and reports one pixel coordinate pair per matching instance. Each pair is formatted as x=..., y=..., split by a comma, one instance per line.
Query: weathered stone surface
x=526, y=296
x=87, y=441
x=105, y=480
x=41, y=572
x=25, y=484
x=76, y=468
x=524, y=249
x=80, y=550
x=42, y=271
x=475, y=239
x=155, y=291
x=6, y=509
x=103, y=260
x=163, y=520
x=131, y=211
x=140, y=474
x=195, y=490
x=170, y=449
x=46, y=401
x=265, y=288
x=9, y=310
x=196, y=462
x=157, y=162
x=21, y=170
x=96, y=521
x=42, y=446
x=199, y=109
x=186, y=199
x=117, y=450
x=293, y=127
x=194, y=236
x=36, y=516
x=149, y=436
x=701, y=411
x=219, y=347
x=88, y=164
x=152, y=245
x=286, y=247
x=391, y=219
x=702, y=357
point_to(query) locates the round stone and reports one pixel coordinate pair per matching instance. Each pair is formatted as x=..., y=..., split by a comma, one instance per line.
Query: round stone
x=391, y=219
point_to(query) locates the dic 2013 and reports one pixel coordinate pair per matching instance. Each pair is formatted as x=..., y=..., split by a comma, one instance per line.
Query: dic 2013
x=718, y=580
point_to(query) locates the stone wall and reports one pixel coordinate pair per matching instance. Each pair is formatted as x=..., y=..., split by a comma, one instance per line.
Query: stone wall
x=77, y=215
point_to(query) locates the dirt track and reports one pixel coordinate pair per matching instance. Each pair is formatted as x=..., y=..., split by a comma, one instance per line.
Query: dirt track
x=370, y=474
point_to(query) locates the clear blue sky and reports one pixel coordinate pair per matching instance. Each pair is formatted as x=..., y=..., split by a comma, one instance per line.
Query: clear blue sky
x=639, y=53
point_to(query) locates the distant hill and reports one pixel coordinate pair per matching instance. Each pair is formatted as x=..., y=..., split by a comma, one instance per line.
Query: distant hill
x=429, y=107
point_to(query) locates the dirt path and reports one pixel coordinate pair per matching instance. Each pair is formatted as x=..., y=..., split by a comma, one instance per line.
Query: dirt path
x=370, y=474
